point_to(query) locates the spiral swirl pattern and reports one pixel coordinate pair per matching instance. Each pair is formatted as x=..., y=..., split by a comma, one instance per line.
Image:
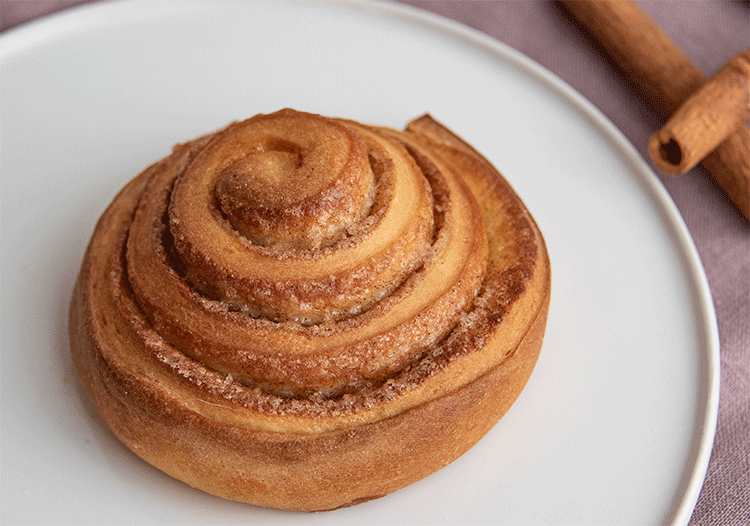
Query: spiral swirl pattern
x=300, y=275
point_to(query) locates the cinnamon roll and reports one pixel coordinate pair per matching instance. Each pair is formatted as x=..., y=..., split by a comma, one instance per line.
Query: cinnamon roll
x=306, y=313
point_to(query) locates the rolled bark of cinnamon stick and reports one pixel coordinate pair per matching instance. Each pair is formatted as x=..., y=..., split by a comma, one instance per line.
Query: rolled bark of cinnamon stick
x=667, y=78
x=706, y=119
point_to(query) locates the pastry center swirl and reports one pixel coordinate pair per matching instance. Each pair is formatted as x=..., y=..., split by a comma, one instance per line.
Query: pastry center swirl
x=299, y=255
x=297, y=190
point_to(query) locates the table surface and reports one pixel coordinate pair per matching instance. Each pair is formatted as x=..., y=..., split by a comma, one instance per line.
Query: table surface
x=709, y=33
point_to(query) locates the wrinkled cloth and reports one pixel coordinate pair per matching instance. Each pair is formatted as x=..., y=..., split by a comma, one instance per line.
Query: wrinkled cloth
x=709, y=33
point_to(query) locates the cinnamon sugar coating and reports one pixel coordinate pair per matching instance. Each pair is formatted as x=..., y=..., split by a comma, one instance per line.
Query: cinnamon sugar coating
x=305, y=284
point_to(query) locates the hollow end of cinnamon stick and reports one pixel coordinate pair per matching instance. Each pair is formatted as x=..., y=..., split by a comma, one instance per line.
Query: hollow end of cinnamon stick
x=668, y=155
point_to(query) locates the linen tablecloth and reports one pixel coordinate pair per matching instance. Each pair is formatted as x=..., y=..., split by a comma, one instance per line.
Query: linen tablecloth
x=710, y=33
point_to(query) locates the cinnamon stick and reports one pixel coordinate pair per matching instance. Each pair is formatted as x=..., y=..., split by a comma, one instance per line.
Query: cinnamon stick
x=706, y=119
x=667, y=78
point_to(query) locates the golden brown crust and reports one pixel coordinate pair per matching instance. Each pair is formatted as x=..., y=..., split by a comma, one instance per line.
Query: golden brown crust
x=321, y=362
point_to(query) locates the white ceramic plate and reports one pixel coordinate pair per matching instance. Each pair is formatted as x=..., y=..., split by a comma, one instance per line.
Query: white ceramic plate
x=617, y=422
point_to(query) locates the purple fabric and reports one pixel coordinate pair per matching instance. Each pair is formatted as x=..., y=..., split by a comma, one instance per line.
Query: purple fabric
x=710, y=33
